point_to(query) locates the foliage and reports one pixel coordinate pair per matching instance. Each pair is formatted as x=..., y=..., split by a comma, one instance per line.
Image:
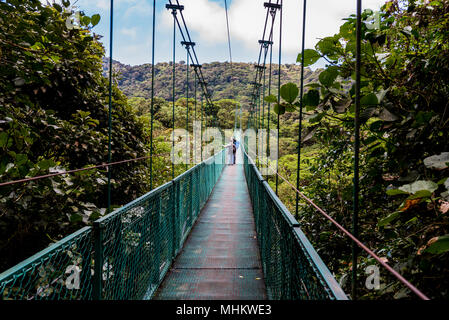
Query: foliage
x=54, y=117
x=405, y=125
x=222, y=81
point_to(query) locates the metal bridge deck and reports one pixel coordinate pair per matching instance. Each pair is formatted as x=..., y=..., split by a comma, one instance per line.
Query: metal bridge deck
x=220, y=259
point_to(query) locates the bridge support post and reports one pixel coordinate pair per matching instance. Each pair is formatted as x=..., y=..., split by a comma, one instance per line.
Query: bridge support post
x=175, y=198
x=98, y=261
x=191, y=199
x=157, y=242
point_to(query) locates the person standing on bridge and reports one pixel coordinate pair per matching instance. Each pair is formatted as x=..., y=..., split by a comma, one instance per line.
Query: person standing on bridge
x=235, y=146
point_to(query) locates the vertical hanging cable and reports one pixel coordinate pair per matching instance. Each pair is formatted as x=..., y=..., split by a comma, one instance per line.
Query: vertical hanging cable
x=230, y=56
x=173, y=107
x=201, y=135
x=152, y=96
x=279, y=94
x=263, y=106
x=269, y=93
x=110, y=104
x=301, y=95
x=356, y=190
x=194, y=137
x=187, y=112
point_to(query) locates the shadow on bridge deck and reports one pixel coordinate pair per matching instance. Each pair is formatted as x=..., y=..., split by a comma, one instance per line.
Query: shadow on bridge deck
x=220, y=259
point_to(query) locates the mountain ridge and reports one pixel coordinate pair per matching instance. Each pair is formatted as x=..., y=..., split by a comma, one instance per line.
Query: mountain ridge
x=224, y=81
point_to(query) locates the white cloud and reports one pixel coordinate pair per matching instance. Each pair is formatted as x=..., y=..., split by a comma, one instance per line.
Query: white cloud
x=203, y=16
x=247, y=18
x=130, y=32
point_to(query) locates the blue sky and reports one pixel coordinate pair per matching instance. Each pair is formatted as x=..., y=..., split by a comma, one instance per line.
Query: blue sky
x=207, y=25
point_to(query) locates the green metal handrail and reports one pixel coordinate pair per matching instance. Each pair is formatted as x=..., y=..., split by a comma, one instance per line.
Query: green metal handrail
x=292, y=268
x=126, y=254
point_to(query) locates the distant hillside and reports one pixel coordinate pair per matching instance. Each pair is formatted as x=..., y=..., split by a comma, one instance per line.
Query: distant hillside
x=223, y=82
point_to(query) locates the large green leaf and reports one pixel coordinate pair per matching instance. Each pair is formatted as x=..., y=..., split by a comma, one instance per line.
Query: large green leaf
x=438, y=162
x=95, y=19
x=369, y=100
x=419, y=186
x=394, y=192
x=441, y=245
x=46, y=164
x=279, y=109
x=420, y=194
x=389, y=219
x=271, y=99
x=310, y=57
x=328, y=47
x=289, y=92
x=328, y=76
x=311, y=98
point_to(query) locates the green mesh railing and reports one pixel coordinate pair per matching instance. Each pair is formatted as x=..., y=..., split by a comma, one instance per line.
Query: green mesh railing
x=292, y=268
x=126, y=254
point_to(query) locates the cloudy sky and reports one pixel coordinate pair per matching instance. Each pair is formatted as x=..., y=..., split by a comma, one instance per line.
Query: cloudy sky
x=207, y=25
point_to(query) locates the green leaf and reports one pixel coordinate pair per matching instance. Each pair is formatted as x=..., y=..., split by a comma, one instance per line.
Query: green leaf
x=57, y=7
x=369, y=100
x=289, y=92
x=312, y=98
x=438, y=162
x=376, y=126
x=3, y=139
x=95, y=19
x=328, y=76
x=389, y=219
x=85, y=20
x=394, y=192
x=420, y=194
x=418, y=186
x=328, y=46
x=21, y=159
x=366, y=114
x=46, y=164
x=310, y=57
x=316, y=117
x=76, y=218
x=279, y=109
x=441, y=245
x=271, y=99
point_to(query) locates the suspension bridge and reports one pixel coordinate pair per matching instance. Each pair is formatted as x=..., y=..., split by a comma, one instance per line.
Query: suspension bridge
x=216, y=231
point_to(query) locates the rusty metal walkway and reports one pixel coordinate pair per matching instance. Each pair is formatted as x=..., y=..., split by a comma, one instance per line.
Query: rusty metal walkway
x=220, y=259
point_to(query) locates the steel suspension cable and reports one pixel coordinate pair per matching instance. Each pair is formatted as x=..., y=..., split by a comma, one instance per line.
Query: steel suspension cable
x=152, y=95
x=279, y=94
x=256, y=104
x=229, y=34
x=193, y=55
x=187, y=112
x=230, y=56
x=111, y=26
x=301, y=105
x=269, y=93
x=173, y=90
x=356, y=188
x=201, y=135
x=194, y=139
x=263, y=107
